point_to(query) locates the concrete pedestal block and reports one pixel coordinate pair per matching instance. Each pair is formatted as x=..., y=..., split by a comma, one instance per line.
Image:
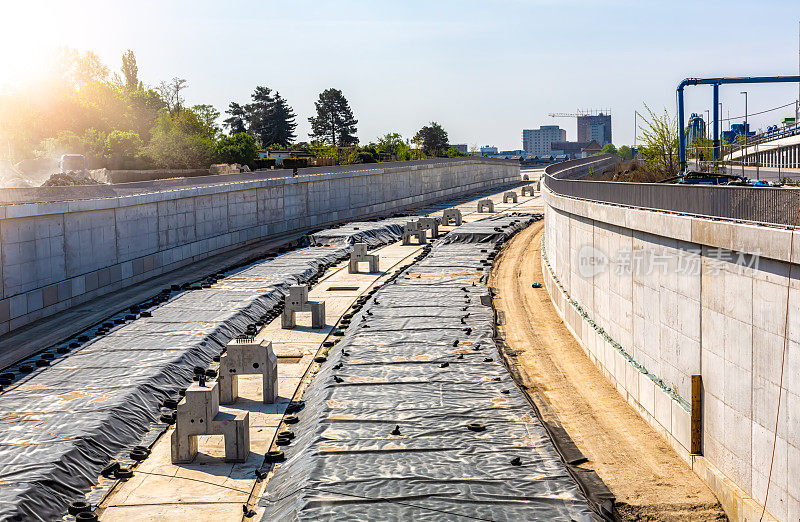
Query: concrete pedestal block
x=429, y=223
x=527, y=190
x=510, y=195
x=198, y=414
x=413, y=229
x=297, y=301
x=359, y=255
x=487, y=204
x=452, y=214
x=245, y=356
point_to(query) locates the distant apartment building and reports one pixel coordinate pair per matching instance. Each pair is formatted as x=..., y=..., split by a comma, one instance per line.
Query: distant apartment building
x=537, y=141
x=461, y=147
x=486, y=149
x=595, y=127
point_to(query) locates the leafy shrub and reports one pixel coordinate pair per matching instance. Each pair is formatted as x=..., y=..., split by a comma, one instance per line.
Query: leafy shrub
x=239, y=148
x=295, y=163
x=262, y=163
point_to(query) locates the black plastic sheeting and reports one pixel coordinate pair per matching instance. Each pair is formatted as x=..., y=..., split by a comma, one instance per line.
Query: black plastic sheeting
x=62, y=423
x=383, y=433
x=361, y=232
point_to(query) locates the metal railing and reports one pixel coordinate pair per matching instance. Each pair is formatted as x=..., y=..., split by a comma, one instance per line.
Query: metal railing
x=763, y=205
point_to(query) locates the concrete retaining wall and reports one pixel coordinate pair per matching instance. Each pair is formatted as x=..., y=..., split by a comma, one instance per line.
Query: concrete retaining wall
x=78, y=244
x=655, y=298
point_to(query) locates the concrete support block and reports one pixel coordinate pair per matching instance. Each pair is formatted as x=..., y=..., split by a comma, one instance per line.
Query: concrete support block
x=487, y=203
x=297, y=301
x=429, y=223
x=510, y=195
x=198, y=414
x=527, y=190
x=413, y=229
x=245, y=356
x=359, y=255
x=452, y=214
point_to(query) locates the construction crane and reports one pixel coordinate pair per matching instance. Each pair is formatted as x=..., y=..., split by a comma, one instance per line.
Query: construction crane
x=580, y=113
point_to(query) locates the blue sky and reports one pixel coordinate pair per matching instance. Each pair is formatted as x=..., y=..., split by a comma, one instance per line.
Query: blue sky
x=484, y=70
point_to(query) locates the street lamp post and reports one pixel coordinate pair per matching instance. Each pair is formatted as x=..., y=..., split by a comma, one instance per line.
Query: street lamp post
x=708, y=119
x=745, y=129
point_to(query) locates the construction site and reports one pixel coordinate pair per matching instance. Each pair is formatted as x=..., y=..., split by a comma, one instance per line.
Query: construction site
x=438, y=339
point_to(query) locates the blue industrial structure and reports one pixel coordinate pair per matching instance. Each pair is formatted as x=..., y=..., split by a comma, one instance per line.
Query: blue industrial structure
x=696, y=130
x=716, y=82
x=737, y=129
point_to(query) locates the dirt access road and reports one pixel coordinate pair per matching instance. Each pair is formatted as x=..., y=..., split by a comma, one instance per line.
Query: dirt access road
x=650, y=481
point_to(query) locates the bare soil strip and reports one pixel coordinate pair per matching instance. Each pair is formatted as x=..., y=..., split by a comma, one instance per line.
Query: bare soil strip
x=650, y=481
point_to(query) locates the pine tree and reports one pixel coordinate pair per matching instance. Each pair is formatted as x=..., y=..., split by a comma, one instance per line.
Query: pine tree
x=334, y=122
x=238, y=120
x=268, y=118
x=259, y=115
x=281, y=121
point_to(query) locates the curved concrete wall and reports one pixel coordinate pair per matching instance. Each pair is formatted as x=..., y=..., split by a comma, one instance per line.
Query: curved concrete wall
x=77, y=243
x=655, y=298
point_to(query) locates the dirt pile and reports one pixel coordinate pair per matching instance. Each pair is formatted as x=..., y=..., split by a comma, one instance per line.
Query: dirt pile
x=68, y=179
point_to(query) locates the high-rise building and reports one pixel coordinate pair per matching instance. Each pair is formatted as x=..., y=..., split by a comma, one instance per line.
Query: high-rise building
x=537, y=141
x=595, y=127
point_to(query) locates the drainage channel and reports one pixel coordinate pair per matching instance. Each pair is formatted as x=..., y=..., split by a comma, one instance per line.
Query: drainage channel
x=412, y=414
x=96, y=396
x=160, y=476
x=162, y=490
x=115, y=380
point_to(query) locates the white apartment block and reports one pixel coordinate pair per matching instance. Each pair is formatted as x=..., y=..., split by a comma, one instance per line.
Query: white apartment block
x=537, y=141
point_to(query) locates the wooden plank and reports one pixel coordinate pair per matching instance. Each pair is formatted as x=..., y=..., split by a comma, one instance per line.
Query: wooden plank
x=697, y=415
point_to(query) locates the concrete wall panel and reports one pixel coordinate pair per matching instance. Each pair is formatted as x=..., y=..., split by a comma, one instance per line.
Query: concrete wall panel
x=710, y=300
x=57, y=254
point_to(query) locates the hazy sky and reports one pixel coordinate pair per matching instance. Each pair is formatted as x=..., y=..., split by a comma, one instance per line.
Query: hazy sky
x=484, y=70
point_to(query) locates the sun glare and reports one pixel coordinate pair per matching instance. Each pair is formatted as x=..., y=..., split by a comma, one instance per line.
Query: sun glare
x=30, y=36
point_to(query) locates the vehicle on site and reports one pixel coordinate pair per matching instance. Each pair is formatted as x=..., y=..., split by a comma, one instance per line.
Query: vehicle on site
x=72, y=163
x=714, y=178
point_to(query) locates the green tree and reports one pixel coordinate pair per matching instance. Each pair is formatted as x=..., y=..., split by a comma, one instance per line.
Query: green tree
x=269, y=118
x=608, y=148
x=207, y=116
x=334, y=122
x=170, y=92
x=452, y=152
x=390, y=144
x=177, y=143
x=123, y=144
x=660, y=148
x=625, y=152
x=238, y=148
x=432, y=139
x=281, y=120
x=258, y=112
x=130, y=71
x=237, y=122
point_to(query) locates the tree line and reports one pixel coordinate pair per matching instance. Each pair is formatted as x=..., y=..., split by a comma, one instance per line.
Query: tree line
x=118, y=122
